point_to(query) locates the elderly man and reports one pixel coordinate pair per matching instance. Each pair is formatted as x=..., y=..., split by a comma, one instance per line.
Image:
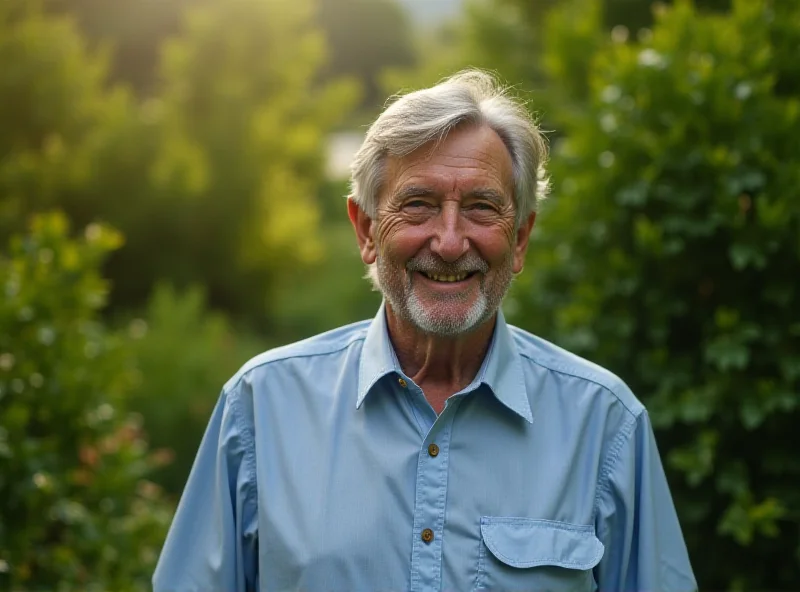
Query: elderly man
x=434, y=447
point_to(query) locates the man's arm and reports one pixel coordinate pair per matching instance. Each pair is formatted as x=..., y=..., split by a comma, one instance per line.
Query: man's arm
x=636, y=519
x=212, y=543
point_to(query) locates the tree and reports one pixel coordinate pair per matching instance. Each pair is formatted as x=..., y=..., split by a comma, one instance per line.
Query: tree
x=669, y=253
x=58, y=117
x=135, y=32
x=69, y=139
x=241, y=159
x=364, y=37
x=78, y=512
x=510, y=37
x=210, y=180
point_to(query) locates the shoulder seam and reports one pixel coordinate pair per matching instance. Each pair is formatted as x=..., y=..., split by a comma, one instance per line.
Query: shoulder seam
x=567, y=372
x=249, y=446
x=243, y=373
x=613, y=456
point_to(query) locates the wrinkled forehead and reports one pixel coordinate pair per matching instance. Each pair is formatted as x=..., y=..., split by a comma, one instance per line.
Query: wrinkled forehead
x=468, y=158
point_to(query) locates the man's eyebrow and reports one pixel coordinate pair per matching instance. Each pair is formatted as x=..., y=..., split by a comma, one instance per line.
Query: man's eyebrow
x=413, y=191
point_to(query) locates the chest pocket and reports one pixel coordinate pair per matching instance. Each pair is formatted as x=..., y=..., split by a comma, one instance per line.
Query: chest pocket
x=523, y=554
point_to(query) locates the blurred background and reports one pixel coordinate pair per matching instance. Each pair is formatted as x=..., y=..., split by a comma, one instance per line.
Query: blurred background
x=173, y=177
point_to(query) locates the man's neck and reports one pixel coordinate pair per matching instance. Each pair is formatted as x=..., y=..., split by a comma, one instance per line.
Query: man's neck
x=440, y=366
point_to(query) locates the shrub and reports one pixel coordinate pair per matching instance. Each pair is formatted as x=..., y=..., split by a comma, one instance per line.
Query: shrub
x=184, y=354
x=670, y=254
x=78, y=512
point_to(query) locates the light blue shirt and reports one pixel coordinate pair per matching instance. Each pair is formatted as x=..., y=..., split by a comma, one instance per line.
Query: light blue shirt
x=318, y=472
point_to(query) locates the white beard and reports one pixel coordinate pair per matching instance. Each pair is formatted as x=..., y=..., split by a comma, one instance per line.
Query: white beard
x=405, y=301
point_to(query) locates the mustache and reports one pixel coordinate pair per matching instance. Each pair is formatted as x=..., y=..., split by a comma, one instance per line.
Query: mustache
x=429, y=263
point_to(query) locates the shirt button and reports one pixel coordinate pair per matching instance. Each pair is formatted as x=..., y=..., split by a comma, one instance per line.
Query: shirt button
x=403, y=383
x=427, y=535
x=433, y=450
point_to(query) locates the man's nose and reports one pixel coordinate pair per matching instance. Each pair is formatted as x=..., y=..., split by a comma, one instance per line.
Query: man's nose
x=450, y=241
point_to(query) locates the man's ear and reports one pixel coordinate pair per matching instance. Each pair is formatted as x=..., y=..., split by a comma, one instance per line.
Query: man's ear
x=521, y=242
x=364, y=227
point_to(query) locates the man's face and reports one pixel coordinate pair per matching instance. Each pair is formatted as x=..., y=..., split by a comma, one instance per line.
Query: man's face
x=445, y=242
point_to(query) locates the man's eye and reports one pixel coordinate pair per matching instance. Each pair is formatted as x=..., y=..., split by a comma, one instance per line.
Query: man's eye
x=417, y=203
x=483, y=206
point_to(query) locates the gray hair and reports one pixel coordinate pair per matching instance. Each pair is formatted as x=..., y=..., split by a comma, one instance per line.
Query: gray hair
x=428, y=115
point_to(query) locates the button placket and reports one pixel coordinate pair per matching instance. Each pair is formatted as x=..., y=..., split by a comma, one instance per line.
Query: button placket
x=411, y=395
x=429, y=508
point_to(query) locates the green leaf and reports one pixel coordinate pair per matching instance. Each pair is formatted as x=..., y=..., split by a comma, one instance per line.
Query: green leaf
x=727, y=354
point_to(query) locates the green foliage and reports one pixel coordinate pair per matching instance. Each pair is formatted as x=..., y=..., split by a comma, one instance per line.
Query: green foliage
x=135, y=31
x=77, y=512
x=56, y=115
x=506, y=35
x=547, y=52
x=241, y=157
x=364, y=37
x=210, y=180
x=440, y=53
x=670, y=254
x=339, y=277
x=67, y=140
x=184, y=355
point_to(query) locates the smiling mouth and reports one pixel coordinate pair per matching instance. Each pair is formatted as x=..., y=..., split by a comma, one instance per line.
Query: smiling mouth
x=460, y=277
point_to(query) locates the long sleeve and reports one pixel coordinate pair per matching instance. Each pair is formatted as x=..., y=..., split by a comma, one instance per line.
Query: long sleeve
x=212, y=545
x=637, y=521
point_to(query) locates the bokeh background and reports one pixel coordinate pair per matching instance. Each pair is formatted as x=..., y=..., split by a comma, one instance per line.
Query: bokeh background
x=173, y=177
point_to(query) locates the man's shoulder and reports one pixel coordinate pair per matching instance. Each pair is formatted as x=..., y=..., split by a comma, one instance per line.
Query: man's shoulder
x=550, y=357
x=328, y=343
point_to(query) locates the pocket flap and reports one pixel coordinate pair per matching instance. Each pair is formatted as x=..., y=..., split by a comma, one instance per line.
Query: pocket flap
x=525, y=542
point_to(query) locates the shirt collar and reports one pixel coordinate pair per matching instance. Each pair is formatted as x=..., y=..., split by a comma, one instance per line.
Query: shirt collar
x=377, y=356
x=501, y=370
